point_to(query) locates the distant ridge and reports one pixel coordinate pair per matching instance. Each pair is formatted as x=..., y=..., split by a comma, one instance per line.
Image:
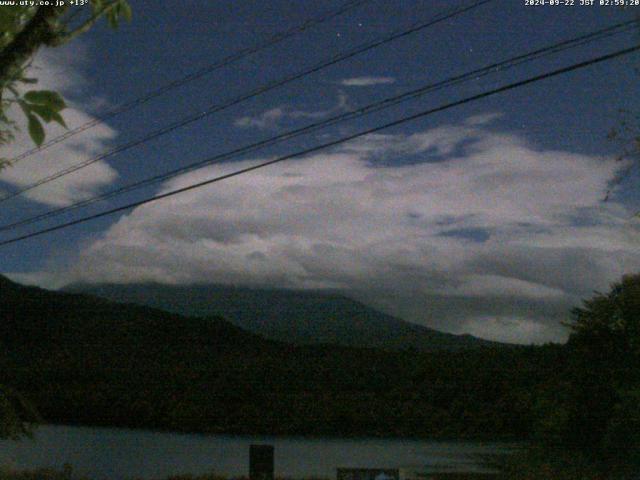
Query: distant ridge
x=29, y=312
x=296, y=316
x=84, y=360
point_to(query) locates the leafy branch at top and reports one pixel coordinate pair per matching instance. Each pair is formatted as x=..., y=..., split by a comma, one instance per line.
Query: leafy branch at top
x=41, y=105
x=23, y=30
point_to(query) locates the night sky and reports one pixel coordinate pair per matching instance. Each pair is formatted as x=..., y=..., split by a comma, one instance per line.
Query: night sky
x=488, y=218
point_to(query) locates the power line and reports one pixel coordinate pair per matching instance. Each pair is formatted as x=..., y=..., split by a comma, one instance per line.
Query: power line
x=394, y=123
x=368, y=109
x=228, y=60
x=254, y=93
x=216, y=108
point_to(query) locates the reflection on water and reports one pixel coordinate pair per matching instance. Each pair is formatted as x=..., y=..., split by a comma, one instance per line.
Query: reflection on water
x=115, y=453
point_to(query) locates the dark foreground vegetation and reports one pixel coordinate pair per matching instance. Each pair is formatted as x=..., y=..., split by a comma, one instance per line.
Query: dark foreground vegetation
x=83, y=360
x=586, y=417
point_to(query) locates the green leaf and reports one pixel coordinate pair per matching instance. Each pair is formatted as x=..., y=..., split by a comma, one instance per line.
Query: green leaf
x=35, y=130
x=125, y=10
x=7, y=23
x=29, y=80
x=10, y=19
x=46, y=97
x=43, y=111
x=56, y=117
x=112, y=17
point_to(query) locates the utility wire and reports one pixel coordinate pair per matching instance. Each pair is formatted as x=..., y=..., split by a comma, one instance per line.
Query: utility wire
x=254, y=93
x=501, y=66
x=228, y=60
x=323, y=146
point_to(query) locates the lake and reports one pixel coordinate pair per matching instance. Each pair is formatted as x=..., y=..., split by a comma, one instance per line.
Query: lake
x=118, y=453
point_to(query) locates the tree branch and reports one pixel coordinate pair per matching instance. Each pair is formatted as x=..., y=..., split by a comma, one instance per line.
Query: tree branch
x=38, y=31
x=84, y=27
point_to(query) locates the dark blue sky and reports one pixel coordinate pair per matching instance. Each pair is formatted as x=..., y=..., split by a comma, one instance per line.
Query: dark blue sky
x=572, y=113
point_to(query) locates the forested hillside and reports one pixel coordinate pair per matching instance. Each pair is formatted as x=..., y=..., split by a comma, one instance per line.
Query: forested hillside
x=304, y=317
x=84, y=360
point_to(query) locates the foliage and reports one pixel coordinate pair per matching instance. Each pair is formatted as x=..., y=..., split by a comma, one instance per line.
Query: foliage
x=622, y=438
x=23, y=30
x=83, y=360
x=546, y=464
x=586, y=417
x=66, y=473
x=18, y=416
x=611, y=322
x=40, y=105
x=605, y=365
x=87, y=361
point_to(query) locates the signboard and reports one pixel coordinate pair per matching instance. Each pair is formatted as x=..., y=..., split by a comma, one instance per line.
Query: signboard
x=261, y=462
x=368, y=474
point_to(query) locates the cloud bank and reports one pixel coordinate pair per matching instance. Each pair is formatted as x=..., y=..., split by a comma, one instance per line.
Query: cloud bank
x=459, y=228
x=59, y=70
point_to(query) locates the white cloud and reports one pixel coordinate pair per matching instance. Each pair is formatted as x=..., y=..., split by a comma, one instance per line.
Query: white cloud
x=366, y=81
x=59, y=70
x=265, y=120
x=43, y=279
x=482, y=119
x=271, y=119
x=484, y=234
x=499, y=286
x=512, y=330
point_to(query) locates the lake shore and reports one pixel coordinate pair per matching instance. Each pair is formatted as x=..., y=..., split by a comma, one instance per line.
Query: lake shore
x=68, y=474
x=114, y=454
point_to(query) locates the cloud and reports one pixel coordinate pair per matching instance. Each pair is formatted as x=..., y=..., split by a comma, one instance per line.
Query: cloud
x=60, y=70
x=512, y=329
x=268, y=119
x=366, y=81
x=357, y=220
x=271, y=119
x=42, y=279
x=482, y=119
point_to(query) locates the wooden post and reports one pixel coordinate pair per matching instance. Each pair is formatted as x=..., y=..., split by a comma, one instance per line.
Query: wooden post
x=261, y=462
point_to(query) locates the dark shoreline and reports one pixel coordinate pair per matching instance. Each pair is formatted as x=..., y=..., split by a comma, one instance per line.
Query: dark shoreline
x=517, y=442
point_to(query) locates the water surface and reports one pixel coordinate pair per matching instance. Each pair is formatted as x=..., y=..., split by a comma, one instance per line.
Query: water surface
x=119, y=453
